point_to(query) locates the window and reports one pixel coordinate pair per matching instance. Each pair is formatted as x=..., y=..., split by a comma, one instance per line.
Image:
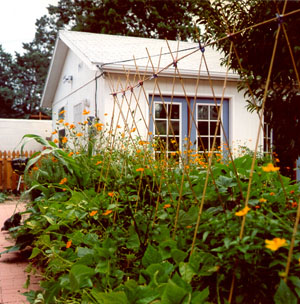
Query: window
x=207, y=119
x=174, y=119
x=268, y=138
x=77, y=110
x=167, y=126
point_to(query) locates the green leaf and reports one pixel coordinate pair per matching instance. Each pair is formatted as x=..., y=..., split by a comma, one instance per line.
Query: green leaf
x=110, y=298
x=34, y=253
x=151, y=256
x=284, y=295
x=173, y=294
x=80, y=276
x=199, y=297
x=178, y=255
x=186, y=271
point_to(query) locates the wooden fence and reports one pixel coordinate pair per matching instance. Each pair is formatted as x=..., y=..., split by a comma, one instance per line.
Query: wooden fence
x=8, y=178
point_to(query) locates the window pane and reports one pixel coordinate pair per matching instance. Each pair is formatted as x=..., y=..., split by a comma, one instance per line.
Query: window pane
x=217, y=144
x=214, y=112
x=202, y=112
x=160, y=144
x=205, y=143
x=213, y=128
x=174, y=128
x=160, y=111
x=173, y=111
x=203, y=128
x=161, y=127
x=173, y=144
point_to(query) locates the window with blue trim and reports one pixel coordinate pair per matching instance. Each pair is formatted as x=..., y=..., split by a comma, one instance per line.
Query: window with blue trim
x=173, y=119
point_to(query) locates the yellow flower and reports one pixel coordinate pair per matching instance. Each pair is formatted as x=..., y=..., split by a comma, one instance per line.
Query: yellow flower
x=61, y=121
x=275, y=244
x=66, y=124
x=64, y=140
x=72, y=126
x=243, y=211
x=270, y=168
x=111, y=194
x=132, y=130
x=62, y=112
x=262, y=200
x=123, y=135
x=55, y=140
x=79, y=134
x=85, y=112
x=107, y=212
x=118, y=126
x=71, y=153
x=94, y=212
x=98, y=162
x=149, y=133
x=139, y=170
x=138, y=151
x=54, y=132
x=167, y=206
x=63, y=181
x=69, y=243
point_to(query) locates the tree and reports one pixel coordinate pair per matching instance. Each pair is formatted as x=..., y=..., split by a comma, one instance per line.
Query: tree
x=31, y=67
x=254, y=47
x=143, y=18
x=7, y=93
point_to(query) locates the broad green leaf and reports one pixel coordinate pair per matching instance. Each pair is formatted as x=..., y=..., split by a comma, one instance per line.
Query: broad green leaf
x=178, y=255
x=110, y=298
x=200, y=297
x=151, y=256
x=284, y=295
x=80, y=276
x=34, y=253
x=186, y=271
x=173, y=294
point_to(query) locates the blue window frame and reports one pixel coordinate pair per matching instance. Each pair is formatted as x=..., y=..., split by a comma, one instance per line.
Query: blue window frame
x=172, y=119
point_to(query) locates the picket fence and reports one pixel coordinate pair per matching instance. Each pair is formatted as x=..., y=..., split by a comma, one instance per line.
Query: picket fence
x=8, y=178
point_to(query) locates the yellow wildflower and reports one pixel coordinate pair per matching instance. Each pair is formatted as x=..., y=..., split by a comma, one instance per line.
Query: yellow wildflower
x=111, y=194
x=98, y=162
x=85, y=112
x=139, y=170
x=262, y=200
x=94, y=212
x=63, y=181
x=79, y=134
x=72, y=126
x=71, y=153
x=64, y=140
x=107, y=212
x=270, y=168
x=54, y=132
x=275, y=244
x=55, y=140
x=69, y=243
x=243, y=212
x=62, y=112
x=167, y=206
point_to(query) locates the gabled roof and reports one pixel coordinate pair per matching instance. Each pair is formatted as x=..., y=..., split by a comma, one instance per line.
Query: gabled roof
x=113, y=53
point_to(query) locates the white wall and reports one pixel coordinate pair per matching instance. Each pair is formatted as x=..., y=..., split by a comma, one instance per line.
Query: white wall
x=78, y=90
x=12, y=131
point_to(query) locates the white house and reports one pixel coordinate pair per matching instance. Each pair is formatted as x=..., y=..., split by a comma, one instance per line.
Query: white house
x=165, y=88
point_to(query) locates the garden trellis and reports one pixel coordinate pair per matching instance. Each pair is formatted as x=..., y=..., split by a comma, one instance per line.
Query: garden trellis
x=134, y=88
x=131, y=185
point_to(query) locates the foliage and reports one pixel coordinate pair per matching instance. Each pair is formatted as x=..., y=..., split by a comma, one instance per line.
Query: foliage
x=111, y=224
x=7, y=94
x=254, y=47
x=3, y=197
x=143, y=18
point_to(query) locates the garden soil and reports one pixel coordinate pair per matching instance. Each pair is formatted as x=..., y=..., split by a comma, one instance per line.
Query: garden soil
x=12, y=265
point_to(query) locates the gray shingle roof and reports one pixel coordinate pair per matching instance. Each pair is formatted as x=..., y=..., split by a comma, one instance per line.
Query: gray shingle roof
x=103, y=49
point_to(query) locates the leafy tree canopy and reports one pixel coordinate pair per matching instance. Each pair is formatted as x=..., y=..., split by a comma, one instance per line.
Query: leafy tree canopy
x=254, y=49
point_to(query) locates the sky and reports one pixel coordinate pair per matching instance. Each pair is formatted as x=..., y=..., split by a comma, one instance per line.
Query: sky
x=17, y=22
